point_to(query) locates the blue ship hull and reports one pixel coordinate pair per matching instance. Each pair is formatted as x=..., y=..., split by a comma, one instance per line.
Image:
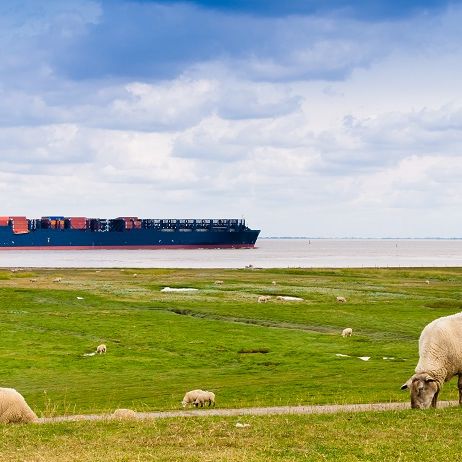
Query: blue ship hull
x=156, y=237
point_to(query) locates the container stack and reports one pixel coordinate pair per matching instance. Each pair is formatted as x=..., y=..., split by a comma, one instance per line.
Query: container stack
x=76, y=222
x=131, y=222
x=20, y=225
x=4, y=221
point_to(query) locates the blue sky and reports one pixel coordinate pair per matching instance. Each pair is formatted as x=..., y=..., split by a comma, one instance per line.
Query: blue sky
x=310, y=118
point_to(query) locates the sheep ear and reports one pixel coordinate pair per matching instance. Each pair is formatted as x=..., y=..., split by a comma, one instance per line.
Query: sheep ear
x=406, y=385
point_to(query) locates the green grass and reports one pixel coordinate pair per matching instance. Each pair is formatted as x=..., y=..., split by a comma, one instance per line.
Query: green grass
x=385, y=436
x=219, y=338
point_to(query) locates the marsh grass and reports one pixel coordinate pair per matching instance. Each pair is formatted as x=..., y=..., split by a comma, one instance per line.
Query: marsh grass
x=221, y=339
x=385, y=436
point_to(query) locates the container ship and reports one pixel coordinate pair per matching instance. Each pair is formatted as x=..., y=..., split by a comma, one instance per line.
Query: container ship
x=65, y=233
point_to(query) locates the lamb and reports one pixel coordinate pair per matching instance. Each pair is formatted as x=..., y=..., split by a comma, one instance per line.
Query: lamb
x=341, y=299
x=263, y=298
x=101, y=349
x=347, y=332
x=191, y=396
x=440, y=359
x=13, y=407
x=205, y=397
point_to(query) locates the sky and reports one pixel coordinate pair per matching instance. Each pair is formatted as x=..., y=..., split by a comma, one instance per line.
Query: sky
x=306, y=117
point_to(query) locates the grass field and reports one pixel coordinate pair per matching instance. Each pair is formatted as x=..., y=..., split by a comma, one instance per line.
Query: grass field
x=219, y=338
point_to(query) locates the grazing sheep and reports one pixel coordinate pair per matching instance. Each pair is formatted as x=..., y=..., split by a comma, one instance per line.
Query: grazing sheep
x=205, y=397
x=101, y=349
x=273, y=282
x=218, y=283
x=341, y=299
x=191, y=396
x=440, y=359
x=427, y=282
x=57, y=279
x=13, y=407
x=347, y=332
x=33, y=280
x=263, y=298
x=124, y=414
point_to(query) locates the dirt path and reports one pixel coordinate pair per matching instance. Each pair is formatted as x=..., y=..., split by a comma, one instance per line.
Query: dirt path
x=325, y=409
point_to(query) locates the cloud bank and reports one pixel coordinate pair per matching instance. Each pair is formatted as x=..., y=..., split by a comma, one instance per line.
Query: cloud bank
x=306, y=119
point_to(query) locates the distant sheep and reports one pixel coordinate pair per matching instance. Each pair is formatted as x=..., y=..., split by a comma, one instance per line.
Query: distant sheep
x=218, y=283
x=341, y=299
x=440, y=359
x=263, y=298
x=191, y=396
x=33, y=280
x=348, y=332
x=273, y=282
x=205, y=397
x=124, y=414
x=427, y=282
x=101, y=349
x=57, y=279
x=13, y=407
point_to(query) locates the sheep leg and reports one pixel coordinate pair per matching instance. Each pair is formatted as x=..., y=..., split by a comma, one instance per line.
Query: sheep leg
x=435, y=399
x=459, y=386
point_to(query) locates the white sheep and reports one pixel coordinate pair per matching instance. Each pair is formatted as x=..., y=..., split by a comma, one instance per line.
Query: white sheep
x=205, y=397
x=101, y=349
x=347, y=332
x=341, y=299
x=57, y=279
x=13, y=407
x=263, y=298
x=440, y=359
x=124, y=414
x=218, y=283
x=190, y=397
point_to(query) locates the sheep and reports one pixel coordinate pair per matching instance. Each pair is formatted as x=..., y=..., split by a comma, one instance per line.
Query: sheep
x=191, y=396
x=13, y=407
x=57, y=279
x=263, y=298
x=124, y=414
x=219, y=282
x=347, y=332
x=341, y=299
x=205, y=397
x=440, y=359
x=101, y=349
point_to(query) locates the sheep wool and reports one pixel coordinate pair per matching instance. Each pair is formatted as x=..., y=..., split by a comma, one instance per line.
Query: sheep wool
x=205, y=397
x=101, y=348
x=13, y=407
x=191, y=396
x=347, y=332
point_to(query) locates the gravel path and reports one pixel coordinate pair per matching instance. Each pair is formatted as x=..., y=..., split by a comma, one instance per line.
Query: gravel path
x=325, y=409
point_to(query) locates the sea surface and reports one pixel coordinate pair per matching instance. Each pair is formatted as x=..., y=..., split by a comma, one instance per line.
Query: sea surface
x=269, y=253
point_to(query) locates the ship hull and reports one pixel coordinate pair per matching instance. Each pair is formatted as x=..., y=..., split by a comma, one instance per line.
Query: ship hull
x=76, y=239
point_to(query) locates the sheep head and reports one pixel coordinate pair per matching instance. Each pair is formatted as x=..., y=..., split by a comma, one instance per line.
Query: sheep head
x=423, y=388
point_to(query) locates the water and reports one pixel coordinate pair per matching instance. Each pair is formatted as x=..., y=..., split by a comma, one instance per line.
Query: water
x=270, y=253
